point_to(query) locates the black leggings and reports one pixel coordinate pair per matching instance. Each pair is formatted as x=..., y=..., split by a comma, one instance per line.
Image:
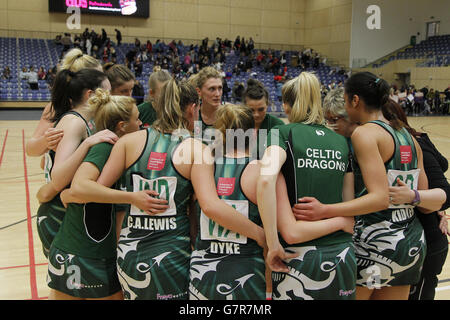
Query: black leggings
x=432, y=267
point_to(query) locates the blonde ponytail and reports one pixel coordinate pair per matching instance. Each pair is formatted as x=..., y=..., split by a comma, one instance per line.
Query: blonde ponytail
x=234, y=117
x=172, y=104
x=302, y=95
x=109, y=110
x=75, y=60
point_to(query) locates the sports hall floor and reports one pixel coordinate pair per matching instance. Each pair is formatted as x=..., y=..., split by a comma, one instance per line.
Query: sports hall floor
x=23, y=266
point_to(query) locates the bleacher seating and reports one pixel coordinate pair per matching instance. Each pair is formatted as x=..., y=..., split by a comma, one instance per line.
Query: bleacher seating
x=435, y=49
x=18, y=53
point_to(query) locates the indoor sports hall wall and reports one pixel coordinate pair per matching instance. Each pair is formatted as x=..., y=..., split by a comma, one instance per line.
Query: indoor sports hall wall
x=399, y=20
x=328, y=28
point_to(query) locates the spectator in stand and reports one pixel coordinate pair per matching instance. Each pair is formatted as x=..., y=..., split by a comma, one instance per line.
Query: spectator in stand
x=118, y=37
x=430, y=99
x=180, y=46
x=51, y=75
x=446, y=101
x=251, y=45
x=77, y=42
x=156, y=46
x=259, y=58
x=447, y=93
x=41, y=73
x=105, y=55
x=32, y=78
x=23, y=74
x=6, y=75
x=149, y=46
x=187, y=61
x=173, y=46
x=58, y=40
x=393, y=95
x=66, y=42
x=225, y=91
x=243, y=47
x=283, y=60
x=237, y=44
x=93, y=35
x=138, y=68
x=104, y=36
x=228, y=74
x=316, y=61
x=131, y=55
x=137, y=43
x=88, y=46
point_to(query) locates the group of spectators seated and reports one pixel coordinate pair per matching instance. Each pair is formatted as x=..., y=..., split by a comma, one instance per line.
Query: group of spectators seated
x=32, y=76
x=424, y=101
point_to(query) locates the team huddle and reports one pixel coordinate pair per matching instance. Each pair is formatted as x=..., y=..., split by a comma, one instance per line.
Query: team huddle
x=182, y=197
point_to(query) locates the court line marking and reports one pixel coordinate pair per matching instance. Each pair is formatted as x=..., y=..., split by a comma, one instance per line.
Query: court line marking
x=443, y=288
x=14, y=178
x=13, y=224
x=24, y=266
x=33, y=282
x=3, y=148
x=423, y=128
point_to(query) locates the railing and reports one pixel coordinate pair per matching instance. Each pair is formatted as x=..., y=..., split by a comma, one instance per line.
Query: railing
x=433, y=61
x=380, y=60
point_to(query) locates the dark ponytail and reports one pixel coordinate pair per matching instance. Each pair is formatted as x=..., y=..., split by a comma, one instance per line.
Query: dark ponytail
x=69, y=87
x=255, y=91
x=372, y=90
x=397, y=118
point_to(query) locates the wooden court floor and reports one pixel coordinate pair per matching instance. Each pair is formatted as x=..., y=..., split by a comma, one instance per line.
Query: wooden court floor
x=23, y=266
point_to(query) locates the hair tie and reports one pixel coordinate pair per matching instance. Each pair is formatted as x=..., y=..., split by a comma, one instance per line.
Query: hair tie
x=378, y=80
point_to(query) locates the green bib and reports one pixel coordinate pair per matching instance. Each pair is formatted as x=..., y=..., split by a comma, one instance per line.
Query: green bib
x=154, y=170
x=51, y=214
x=88, y=230
x=316, y=163
x=402, y=165
x=215, y=238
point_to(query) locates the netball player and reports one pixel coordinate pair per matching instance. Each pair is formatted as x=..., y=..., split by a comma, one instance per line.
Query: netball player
x=256, y=97
x=70, y=94
x=208, y=83
x=121, y=79
x=231, y=238
x=234, y=240
x=86, y=241
x=156, y=81
x=314, y=161
x=154, y=251
x=434, y=223
x=384, y=153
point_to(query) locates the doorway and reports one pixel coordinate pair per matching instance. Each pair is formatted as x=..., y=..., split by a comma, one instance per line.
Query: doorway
x=433, y=28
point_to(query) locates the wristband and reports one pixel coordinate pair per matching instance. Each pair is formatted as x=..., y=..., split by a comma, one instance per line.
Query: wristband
x=416, y=199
